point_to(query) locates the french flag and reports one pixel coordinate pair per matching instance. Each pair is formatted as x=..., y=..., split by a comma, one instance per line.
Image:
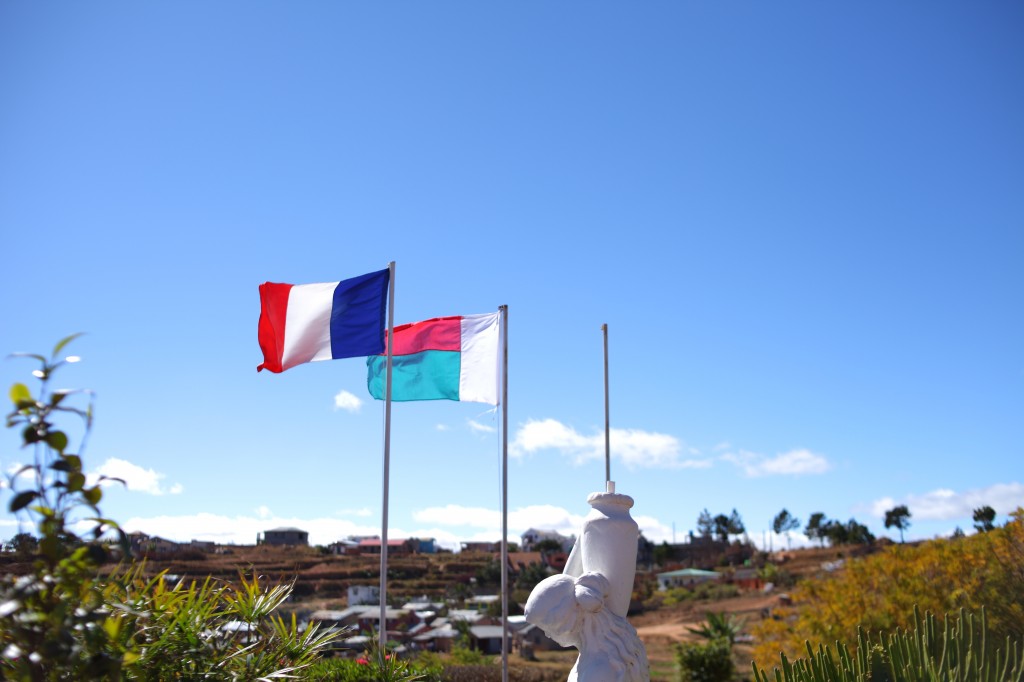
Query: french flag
x=302, y=323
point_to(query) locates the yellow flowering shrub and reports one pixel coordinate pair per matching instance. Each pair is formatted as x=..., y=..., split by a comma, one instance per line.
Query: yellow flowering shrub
x=879, y=592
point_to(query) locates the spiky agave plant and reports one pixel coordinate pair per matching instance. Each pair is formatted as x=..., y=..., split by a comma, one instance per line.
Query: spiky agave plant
x=959, y=653
x=720, y=626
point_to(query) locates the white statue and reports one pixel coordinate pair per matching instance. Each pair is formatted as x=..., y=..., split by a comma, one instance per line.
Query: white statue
x=586, y=605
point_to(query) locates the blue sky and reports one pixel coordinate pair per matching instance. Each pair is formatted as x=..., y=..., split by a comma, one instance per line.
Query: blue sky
x=803, y=223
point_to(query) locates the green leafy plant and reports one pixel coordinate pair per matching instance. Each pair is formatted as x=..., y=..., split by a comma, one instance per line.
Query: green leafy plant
x=720, y=626
x=53, y=618
x=710, y=662
x=373, y=666
x=959, y=652
x=64, y=621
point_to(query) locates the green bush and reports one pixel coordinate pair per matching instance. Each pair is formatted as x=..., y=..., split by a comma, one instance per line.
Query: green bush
x=711, y=662
x=369, y=668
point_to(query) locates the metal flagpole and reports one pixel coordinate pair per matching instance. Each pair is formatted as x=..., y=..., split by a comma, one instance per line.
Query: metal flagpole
x=504, y=492
x=609, y=486
x=383, y=634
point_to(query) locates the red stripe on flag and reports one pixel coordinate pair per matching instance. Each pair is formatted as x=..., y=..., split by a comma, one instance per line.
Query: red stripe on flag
x=273, y=315
x=440, y=333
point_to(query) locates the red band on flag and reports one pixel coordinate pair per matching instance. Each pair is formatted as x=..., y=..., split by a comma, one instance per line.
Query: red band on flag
x=440, y=333
x=273, y=314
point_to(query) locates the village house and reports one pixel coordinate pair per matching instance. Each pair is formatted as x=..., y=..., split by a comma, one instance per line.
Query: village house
x=286, y=536
x=141, y=544
x=746, y=579
x=371, y=545
x=486, y=638
x=532, y=537
x=686, y=577
x=517, y=561
x=366, y=619
x=361, y=595
x=347, y=546
x=528, y=638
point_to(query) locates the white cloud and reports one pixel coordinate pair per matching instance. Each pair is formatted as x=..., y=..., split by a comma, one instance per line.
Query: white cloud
x=477, y=427
x=12, y=469
x=792, y=463
x=519, y=520
x=243, y=530
x=135, y=477
x=945, y=504
x=347, y=401
x=363, y=512
x=442, y=427
x=487, y=522
x=633, y=447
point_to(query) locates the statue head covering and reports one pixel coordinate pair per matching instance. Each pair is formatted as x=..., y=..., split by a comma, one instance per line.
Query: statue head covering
x=559, y=603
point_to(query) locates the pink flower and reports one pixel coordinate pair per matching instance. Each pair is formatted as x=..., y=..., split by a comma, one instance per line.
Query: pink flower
x=362, y=661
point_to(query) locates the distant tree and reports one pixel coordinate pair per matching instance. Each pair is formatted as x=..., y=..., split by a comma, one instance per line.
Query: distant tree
x=835, y=532
x=530, y=576
x=898, y=517
x=984, y=519
x=785, y=522
x=736, y=526
x=858, y=533
x=705, y=524
x=662, y=553
x=814, y=528
x=958, y=532
x=24, y=543
x=722, y=527
x=849, y=533
x=489, y=573
x=548, y=545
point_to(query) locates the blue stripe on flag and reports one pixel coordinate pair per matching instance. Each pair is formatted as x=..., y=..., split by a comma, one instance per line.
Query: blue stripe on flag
x=357, y=316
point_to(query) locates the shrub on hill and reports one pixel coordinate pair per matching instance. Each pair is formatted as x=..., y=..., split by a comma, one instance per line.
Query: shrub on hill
x=879, y=592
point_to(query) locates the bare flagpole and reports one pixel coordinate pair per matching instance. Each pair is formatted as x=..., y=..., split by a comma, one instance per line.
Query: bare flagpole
x=504, y=492
x=383, y=634
x=608, y=485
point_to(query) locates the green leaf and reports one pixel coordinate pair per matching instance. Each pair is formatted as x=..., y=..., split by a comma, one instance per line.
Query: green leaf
x=50, y=547
x=30, y=435
x=93, y=495
x=43, y=511
x=22, y=500
x=57, y=440
x=65, y=341
x=40, y=358
x=76, y=481
x=20, y=394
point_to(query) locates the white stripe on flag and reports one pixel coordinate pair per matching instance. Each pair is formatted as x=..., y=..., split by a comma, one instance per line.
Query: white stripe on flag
x=307, y=329
x=478, y=381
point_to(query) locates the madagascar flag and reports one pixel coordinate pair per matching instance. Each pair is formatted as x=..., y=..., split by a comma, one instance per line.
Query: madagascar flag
x=446, y=358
